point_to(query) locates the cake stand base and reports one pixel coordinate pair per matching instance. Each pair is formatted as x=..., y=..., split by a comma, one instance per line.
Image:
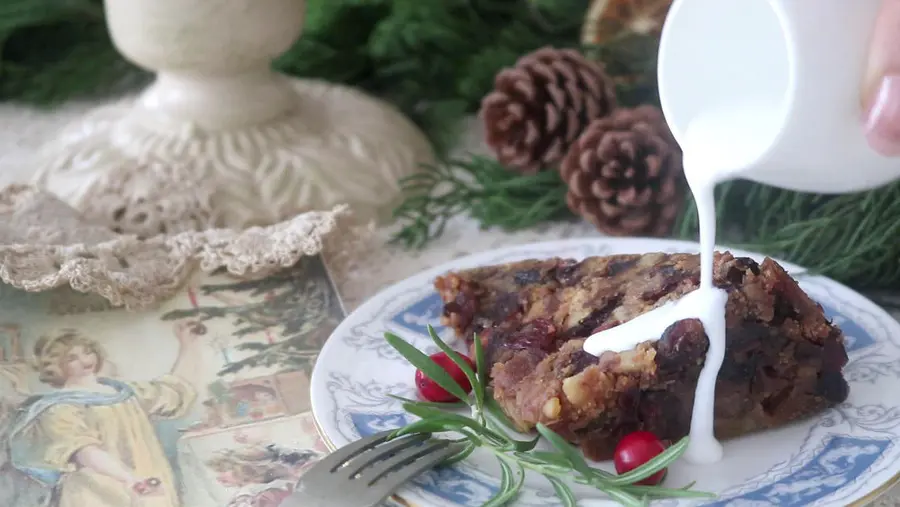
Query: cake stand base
x=336, y=146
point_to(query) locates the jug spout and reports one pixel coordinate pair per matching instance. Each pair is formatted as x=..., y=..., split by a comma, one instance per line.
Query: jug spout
x=799, y=61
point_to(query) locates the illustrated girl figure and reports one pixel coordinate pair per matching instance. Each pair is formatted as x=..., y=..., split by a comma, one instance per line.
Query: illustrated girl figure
x=91, y=440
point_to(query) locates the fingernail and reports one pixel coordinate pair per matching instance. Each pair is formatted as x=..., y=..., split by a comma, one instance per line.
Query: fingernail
x=883, y=118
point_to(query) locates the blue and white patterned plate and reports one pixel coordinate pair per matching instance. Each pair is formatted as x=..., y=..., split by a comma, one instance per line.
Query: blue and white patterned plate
x=845, y=456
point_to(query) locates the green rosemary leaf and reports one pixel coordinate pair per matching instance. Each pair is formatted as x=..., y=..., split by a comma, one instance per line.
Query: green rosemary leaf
x=554, y=458
x=481, y=369
x=457, y=421
x=521, y=473
x=525, y=445
x=432, y=404
x=462, y=364
x=509, y=486
x=624, y=498
x=431, y=369
x=496, y=413
x=466, y=451
x=419, y=427
x=506, y=486
x=563, y=491
x=542, y=467
x=652, y=466
x=571, y=453
x=431, y=413
x=432, y=425
x=526, y=457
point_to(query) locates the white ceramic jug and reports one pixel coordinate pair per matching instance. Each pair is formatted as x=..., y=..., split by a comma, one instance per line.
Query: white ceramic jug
x=805, y=58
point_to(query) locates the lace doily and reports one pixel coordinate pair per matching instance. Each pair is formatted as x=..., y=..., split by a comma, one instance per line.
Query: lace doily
x=152, y=198
x=45, y=244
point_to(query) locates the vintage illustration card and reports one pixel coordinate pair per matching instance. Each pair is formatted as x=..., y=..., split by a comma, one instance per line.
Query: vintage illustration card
x=203, y=402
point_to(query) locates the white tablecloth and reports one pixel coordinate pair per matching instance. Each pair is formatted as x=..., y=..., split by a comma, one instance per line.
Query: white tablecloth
x=23, y=130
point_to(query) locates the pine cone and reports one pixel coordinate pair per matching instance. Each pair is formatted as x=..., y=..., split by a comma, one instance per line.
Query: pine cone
x=624, y=174
x=540, y=106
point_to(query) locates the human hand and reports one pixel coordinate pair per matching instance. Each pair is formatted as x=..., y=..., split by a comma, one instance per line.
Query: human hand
x=881, y=89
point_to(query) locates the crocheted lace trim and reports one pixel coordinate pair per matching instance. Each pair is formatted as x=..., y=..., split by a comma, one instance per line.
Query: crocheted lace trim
x=46, y=244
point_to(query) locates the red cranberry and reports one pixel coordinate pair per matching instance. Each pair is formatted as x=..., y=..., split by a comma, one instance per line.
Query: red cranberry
x=429, y=390
x=634, y=450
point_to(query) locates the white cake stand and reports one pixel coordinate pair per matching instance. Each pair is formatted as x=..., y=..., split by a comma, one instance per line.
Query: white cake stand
x=266, y=145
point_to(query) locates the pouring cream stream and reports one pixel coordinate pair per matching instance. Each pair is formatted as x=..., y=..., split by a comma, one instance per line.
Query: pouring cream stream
x=717, y=145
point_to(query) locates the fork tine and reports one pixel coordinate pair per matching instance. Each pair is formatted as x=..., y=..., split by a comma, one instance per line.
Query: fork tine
x=328, y=464
x=372, y=470
x=392, y=482
x=353, y=449
x=379, y=453
x=402, y=459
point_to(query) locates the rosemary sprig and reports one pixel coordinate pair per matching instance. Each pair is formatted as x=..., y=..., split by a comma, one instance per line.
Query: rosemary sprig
x=488, y=428
x=845, y=237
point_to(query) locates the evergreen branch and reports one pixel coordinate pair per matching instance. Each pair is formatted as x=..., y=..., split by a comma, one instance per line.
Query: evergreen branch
x=850, y=237
x=201, y=313
x=84, y=63
x=845, y=237
x=283, y=352
x=21, y=13
x=483, y=188
x=252, y=346
x=253, y=329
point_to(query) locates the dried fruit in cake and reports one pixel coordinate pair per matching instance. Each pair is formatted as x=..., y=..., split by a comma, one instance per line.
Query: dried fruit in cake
x=783, y=356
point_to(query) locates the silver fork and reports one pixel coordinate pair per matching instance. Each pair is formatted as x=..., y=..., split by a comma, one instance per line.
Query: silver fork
x=365, y=472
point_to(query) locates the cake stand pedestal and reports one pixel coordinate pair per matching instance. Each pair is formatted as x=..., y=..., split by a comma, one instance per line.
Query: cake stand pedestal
x=267, y=146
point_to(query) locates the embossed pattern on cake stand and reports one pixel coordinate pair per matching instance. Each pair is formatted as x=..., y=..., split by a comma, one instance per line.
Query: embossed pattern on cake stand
x=268, y=145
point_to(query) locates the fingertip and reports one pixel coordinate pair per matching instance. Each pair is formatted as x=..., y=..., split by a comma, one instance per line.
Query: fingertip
x=882, y=121
x=884, y=55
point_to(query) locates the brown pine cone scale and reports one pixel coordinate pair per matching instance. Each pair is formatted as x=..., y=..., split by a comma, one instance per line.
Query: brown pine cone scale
x=624, y=174
x=540, y=106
